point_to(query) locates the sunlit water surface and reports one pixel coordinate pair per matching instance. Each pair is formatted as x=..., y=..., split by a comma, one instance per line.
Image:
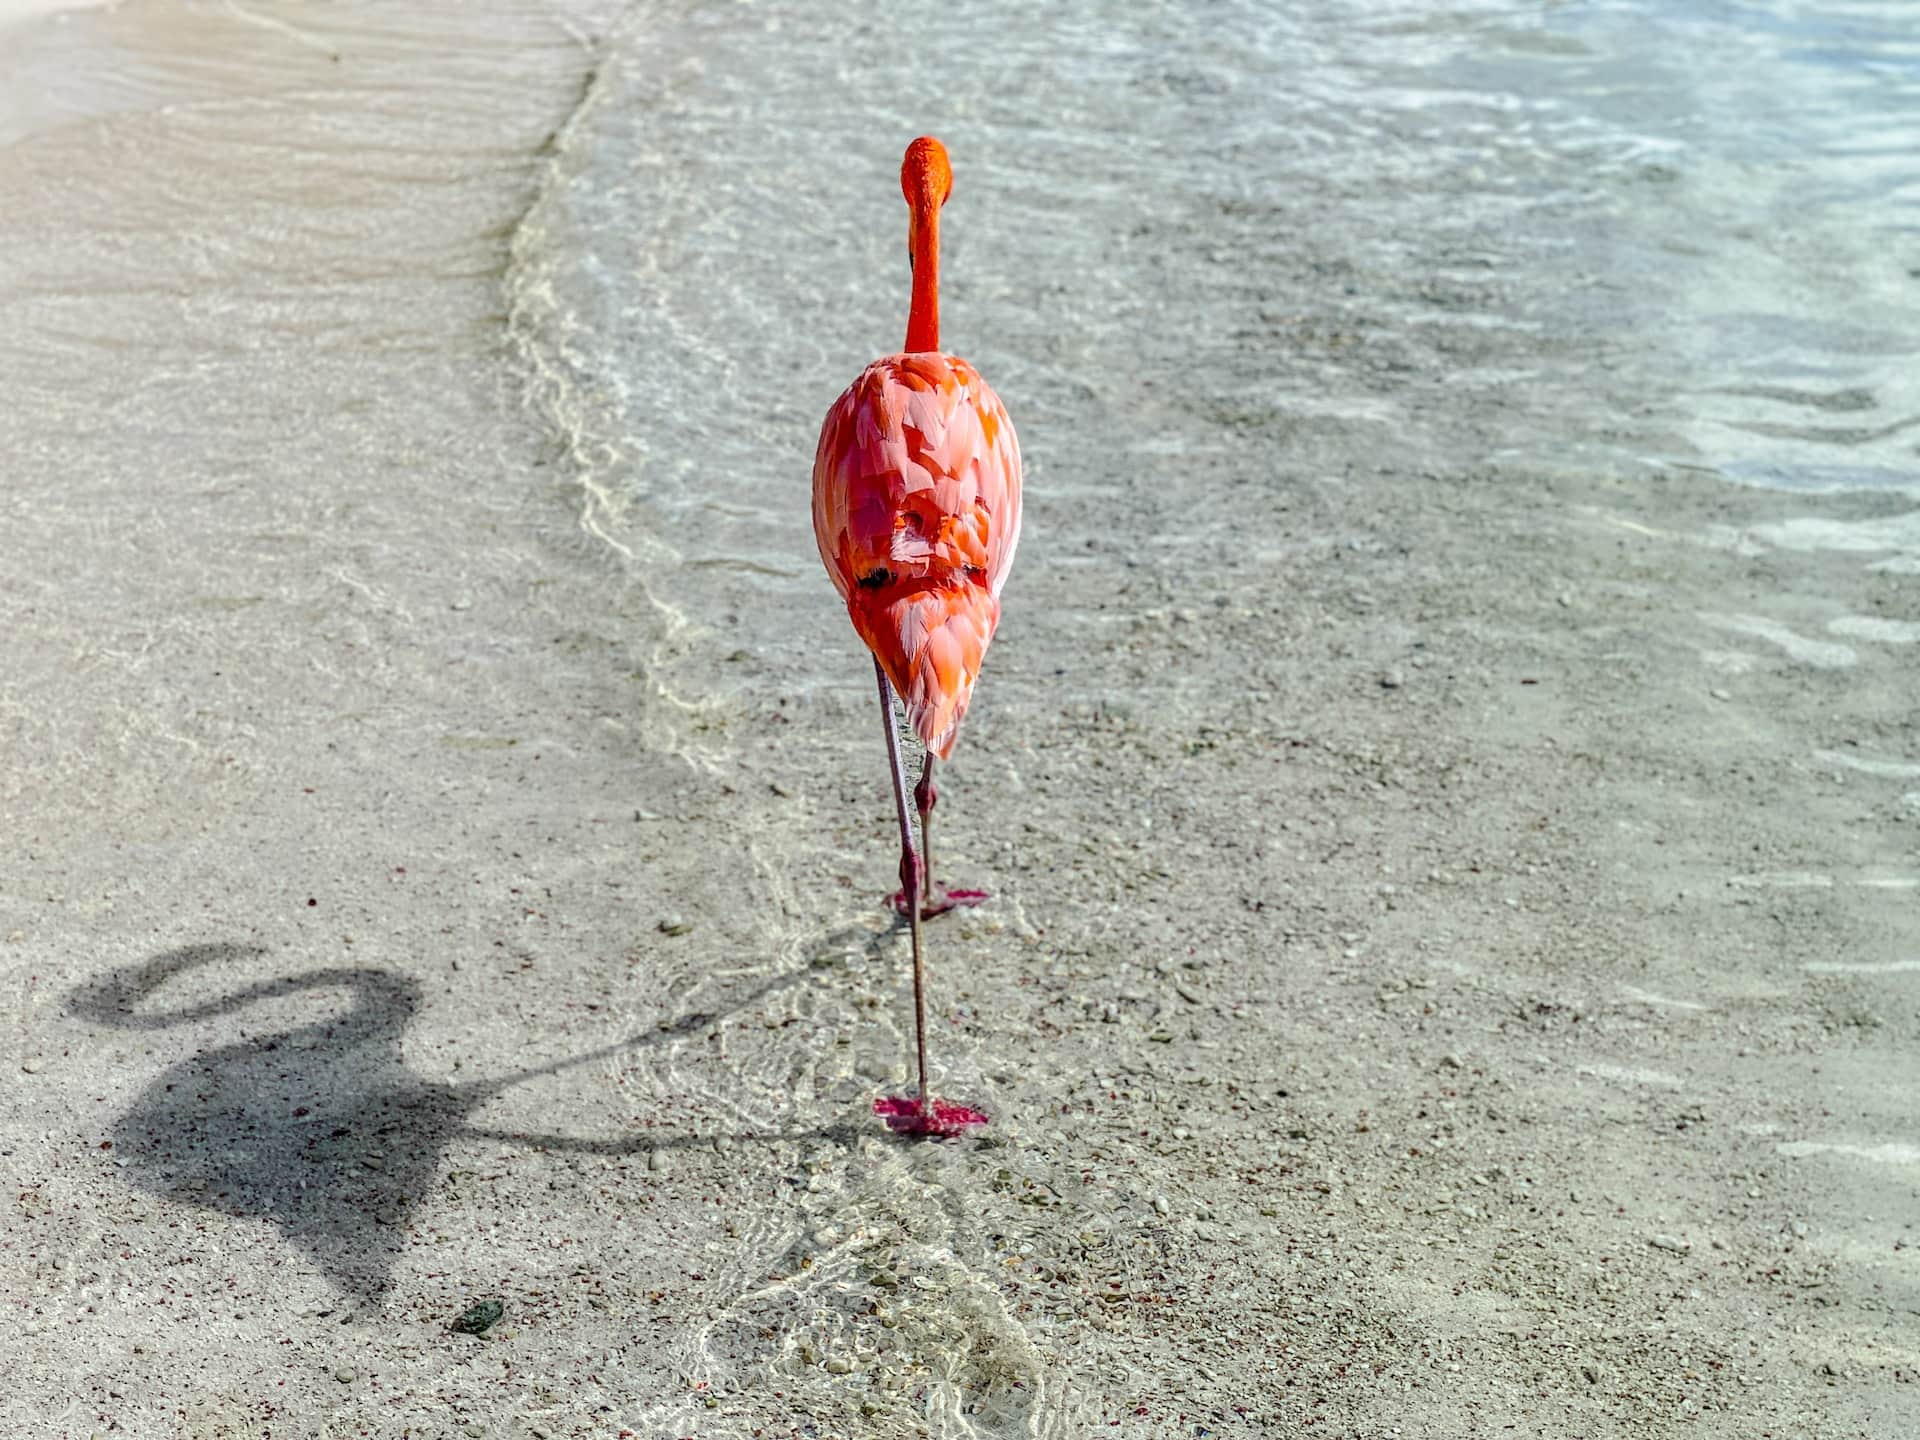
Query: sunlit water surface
x=1187, y=246
x=1541, y=230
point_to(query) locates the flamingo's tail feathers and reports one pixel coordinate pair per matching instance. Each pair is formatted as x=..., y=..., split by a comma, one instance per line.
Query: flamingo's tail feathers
x=931, y=640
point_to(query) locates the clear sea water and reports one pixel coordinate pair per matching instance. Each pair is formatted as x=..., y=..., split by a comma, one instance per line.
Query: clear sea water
x=1651, y=235
x=1206, y=253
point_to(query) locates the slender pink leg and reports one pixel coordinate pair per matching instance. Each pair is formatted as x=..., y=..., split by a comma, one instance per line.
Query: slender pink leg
x=937, y=900
x=924, y=1116
x=912, y=872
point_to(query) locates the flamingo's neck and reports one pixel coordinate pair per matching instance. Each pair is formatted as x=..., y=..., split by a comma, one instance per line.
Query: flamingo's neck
x=923, y=319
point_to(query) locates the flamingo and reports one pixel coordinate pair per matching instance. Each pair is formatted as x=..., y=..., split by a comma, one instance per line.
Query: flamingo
x=916, y=508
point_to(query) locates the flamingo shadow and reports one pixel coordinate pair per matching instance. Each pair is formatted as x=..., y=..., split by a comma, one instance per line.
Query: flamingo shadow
x=322, y=1129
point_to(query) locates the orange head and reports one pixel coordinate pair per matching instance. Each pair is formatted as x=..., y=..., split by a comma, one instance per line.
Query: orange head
x=925, y=177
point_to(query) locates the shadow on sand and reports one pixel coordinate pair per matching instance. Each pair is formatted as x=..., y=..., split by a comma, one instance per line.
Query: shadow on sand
x=322, y=1129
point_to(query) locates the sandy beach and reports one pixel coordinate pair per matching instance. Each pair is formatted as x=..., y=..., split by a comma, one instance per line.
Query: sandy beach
x=1453, y=965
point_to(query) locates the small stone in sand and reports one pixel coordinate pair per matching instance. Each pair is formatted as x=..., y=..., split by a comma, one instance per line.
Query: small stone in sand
x=479, y=1317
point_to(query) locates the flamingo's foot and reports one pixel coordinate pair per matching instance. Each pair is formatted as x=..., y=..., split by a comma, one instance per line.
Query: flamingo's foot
x=938, y=903
x=944, y=1118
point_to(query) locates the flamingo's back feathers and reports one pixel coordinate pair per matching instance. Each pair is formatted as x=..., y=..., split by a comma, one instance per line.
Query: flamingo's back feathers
x=916, y=509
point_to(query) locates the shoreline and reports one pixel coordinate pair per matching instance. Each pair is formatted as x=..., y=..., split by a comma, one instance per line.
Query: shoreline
x=289, y=717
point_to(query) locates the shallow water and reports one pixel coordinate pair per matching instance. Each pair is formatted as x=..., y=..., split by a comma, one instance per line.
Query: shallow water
x=1785, y=256
x=1652, y=234
x=1196, y=253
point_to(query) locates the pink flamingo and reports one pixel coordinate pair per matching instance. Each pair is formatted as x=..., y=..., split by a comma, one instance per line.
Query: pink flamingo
x=916, y=508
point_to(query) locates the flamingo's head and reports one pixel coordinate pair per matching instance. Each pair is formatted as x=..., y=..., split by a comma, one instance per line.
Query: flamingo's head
x=925, y=177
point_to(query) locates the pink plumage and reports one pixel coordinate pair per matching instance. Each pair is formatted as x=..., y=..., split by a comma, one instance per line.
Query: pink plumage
x=916, y=510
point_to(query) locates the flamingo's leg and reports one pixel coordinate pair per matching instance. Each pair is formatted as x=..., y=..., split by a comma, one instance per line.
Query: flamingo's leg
x=912, y=874
x=923, y=1115
x=937, y=899
x=923, y=797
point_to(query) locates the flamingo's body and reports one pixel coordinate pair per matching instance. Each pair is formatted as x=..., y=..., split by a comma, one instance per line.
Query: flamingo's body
x=916, y=509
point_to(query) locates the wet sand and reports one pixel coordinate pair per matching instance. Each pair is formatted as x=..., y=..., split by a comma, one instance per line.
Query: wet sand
x=1451, y=965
